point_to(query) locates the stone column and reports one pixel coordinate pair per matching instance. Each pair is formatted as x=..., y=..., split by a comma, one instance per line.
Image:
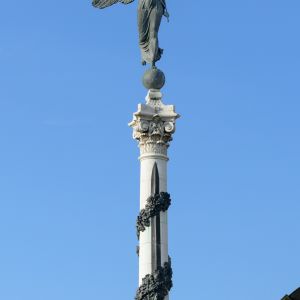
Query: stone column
x=153, y=126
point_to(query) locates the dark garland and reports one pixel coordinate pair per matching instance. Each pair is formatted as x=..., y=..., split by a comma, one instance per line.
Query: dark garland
x=155, y=204
x=157, y=285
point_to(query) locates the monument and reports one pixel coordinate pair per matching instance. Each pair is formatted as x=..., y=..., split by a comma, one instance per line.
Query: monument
x=153, y=127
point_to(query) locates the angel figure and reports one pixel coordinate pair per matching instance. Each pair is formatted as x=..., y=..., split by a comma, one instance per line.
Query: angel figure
x=150, y=13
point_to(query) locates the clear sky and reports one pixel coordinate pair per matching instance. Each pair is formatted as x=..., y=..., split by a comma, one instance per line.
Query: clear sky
x=69, y=174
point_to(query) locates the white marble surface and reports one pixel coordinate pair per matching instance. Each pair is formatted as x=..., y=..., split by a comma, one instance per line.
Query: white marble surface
x=153, y=126
x=145, y=237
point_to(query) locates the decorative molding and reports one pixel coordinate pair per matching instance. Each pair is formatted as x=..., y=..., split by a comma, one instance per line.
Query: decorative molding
x=154, y=124
x=154, y=205
x=151, y=146
x=157, y=285
x=154, y=98
x=154, y=135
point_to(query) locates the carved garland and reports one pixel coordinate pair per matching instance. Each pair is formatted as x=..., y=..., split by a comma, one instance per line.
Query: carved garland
x=157, y=285
x=155, y=204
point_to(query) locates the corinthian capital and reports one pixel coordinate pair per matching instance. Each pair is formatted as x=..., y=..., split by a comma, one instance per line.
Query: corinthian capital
x=153, y=125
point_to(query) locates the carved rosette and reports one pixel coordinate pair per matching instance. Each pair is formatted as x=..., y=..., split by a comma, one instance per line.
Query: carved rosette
x=153, y=126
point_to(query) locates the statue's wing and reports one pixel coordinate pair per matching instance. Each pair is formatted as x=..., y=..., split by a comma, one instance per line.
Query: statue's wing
x=106, y=3
x=126, y=1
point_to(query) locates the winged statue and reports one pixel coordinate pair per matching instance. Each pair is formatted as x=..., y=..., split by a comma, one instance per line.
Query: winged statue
x=150, y=13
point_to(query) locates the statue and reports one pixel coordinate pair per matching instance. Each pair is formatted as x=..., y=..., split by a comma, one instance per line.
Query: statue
x=150, y=13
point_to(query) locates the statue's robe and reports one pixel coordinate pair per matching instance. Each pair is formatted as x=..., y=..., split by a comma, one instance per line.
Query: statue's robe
x=150, y=13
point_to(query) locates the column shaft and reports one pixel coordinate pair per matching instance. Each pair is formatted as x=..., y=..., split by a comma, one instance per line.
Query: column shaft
x=145, y=253
x=153, y=126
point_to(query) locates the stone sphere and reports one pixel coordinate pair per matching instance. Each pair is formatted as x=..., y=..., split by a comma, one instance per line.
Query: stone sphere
x=154, y=79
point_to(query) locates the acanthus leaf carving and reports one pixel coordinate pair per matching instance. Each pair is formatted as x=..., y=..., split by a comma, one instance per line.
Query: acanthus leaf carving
x=153, y=135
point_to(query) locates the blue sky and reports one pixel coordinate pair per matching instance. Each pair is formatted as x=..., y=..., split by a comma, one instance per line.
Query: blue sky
x=69, y=174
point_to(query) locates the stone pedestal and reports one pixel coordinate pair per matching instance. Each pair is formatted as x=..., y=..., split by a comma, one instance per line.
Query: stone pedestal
x=153, y=126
